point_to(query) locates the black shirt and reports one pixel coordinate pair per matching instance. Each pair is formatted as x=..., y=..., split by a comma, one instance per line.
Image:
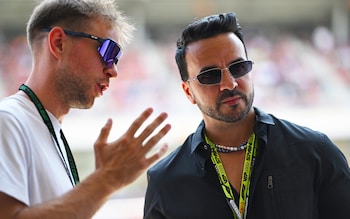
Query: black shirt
x=298, y=173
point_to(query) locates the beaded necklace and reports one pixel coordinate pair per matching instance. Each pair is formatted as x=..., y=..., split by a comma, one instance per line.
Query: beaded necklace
x=229, y=149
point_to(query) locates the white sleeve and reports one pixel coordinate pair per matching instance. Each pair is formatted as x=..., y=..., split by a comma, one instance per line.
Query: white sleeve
x=14, y=158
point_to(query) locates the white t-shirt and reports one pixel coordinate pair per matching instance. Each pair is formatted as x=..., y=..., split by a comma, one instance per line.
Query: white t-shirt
x=31, y=168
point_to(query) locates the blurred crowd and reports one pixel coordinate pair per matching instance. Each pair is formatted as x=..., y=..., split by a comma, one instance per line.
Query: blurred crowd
x=288, y=71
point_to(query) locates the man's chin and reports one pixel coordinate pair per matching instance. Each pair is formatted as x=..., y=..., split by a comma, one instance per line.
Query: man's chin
x=88, y=105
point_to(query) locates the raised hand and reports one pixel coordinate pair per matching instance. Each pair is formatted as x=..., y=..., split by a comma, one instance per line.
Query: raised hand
x=124, y=159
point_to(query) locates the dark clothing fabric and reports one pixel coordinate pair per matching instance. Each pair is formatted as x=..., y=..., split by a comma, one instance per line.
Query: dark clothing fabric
x=298, y=174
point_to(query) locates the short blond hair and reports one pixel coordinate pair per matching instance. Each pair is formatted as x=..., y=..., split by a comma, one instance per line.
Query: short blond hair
x=75, y=15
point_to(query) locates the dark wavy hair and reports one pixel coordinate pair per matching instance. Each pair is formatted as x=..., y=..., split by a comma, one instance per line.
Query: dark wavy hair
x=204, y=28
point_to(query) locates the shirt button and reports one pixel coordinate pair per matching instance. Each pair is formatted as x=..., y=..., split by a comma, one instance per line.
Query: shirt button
x=205, y=147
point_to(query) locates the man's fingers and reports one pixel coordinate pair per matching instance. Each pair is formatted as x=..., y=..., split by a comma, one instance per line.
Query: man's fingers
x=103, y=137
x=152, y=126
x=139, y=121
x=157, y=155
x=156, y=138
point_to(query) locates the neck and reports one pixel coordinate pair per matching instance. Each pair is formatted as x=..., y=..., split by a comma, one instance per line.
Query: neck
x=49, y=99
x=221, y=133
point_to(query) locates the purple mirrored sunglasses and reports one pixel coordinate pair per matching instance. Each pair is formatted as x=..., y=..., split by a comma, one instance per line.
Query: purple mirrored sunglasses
x=109, y=50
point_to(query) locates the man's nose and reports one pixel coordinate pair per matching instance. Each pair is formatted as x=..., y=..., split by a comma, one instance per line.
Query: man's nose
x=228, y=82
x=111, y=71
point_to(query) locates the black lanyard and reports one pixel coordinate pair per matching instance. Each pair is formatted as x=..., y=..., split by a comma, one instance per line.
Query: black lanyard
x=48, y=123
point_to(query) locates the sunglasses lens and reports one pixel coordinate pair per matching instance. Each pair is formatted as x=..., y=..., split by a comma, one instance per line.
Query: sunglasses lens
x=212, y=76
x=110, y=52
x=241, y=68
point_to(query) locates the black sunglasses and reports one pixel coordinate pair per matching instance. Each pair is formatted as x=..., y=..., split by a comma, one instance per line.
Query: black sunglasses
x=213, y=76
x=109, y=50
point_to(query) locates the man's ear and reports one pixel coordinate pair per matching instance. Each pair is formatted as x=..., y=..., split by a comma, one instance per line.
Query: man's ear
x=188, y=92
x=56, y=39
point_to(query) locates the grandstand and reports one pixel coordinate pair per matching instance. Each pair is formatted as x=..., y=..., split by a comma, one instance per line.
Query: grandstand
x=301, y=51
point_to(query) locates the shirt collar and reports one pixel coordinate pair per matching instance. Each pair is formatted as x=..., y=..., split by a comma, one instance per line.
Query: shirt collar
x=198, y=137
x=263, y=120
x=262, y=117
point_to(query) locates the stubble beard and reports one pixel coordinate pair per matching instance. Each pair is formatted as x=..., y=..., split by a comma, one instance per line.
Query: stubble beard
x=72, y=89
x=234, y=115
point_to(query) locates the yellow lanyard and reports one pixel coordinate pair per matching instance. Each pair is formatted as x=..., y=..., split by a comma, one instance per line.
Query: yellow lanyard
x=250, y=155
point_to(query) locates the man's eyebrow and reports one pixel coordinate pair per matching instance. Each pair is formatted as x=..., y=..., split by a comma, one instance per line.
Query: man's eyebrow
x=236, y=60
x=209, y=67
x=216, y=67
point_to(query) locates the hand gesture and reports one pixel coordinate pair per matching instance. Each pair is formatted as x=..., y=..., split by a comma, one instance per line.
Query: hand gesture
x=125, y=159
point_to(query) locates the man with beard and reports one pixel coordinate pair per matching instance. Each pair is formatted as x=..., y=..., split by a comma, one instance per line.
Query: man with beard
x=241, y=162
x=76, y=45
